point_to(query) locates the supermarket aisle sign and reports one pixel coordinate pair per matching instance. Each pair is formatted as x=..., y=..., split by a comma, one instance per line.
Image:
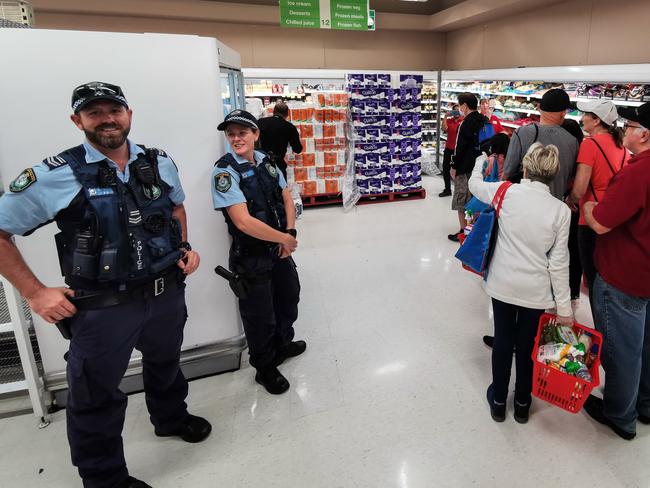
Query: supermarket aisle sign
x=324, y=14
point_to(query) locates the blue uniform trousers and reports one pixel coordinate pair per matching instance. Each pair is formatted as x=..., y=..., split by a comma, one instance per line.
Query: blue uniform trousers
x=271, y=308
x=100, y=349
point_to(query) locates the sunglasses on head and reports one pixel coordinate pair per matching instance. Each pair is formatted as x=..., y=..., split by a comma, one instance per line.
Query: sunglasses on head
x=97, y=89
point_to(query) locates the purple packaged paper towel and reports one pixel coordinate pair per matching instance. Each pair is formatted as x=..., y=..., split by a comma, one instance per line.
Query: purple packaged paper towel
x=374, y=185
x=372, y=159
x=373, y=134
x=358, y=106
x=372, y=105
x=370, y=79
x=384, y=79
x=362, y=184
x=359, y=158
x=383, y=105
x=354, y=78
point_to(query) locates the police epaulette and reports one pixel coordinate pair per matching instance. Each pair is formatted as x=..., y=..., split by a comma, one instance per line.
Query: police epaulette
x=54, y=162
x=160, y=152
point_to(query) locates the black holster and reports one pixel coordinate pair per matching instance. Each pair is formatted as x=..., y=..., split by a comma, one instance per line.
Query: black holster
x=237, y=282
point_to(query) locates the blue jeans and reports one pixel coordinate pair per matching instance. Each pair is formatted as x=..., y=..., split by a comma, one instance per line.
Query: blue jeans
x=624, y=322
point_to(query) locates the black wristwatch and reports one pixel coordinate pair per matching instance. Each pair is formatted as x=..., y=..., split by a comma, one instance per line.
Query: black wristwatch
x=185, y=245
x=292, y=232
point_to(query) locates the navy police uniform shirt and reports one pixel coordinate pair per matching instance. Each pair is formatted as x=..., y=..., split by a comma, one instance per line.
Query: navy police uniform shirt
x=40, y=193
x=225, y=189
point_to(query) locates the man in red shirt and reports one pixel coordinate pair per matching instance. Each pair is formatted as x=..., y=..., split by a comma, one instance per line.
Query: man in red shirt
x=450, y=125
x=622, y=287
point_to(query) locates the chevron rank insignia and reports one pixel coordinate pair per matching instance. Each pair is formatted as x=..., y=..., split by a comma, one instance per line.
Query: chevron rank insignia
x=54, y=162
x=222, y=182
x=23, y=181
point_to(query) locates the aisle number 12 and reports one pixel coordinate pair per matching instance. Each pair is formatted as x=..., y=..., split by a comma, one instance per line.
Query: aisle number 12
x=325, y=14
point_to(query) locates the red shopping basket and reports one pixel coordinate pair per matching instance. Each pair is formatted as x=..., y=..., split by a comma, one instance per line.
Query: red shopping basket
x=558, y=388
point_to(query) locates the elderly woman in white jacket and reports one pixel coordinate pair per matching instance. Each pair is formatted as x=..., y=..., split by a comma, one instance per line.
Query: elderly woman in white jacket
x=529, y=272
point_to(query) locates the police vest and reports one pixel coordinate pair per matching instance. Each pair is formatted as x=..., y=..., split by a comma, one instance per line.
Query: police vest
x=115, y=234
x=260, y=184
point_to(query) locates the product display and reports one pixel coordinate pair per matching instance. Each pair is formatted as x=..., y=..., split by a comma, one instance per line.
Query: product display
x=320, y=167
x=516, y=103
x=387, y=132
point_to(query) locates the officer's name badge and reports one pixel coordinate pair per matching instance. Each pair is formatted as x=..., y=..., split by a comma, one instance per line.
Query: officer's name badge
x=222, y=182
x=99, y=192
x=23, y=181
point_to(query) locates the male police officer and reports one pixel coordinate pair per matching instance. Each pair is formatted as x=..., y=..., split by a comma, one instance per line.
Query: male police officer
x=259, y=211
x=124, y=254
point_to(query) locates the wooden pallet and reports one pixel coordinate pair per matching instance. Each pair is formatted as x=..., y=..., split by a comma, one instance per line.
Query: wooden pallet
x=337, y=198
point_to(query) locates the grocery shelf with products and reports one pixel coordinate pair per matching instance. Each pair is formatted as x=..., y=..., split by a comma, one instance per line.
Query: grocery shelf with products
x=517, y=98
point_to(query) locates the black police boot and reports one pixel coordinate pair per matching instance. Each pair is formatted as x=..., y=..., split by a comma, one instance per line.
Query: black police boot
x=193, y=429
x=271, y=379
x=131, y=482
x=291, y=350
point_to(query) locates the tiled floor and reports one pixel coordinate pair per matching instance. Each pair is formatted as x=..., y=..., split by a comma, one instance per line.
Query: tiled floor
x=390, y=393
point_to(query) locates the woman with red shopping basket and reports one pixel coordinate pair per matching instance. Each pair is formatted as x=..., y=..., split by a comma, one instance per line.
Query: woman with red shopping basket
x=528, y=273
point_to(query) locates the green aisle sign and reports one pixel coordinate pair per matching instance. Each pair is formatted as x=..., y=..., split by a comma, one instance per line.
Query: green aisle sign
x=324, y=14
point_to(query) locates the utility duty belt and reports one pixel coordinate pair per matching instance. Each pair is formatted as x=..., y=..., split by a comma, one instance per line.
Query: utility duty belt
x=92, y=299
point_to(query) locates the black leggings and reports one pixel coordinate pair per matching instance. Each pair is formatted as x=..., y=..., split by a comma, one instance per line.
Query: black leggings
x=446, y=167
x=513, y=325
x=587, y=245
x=575, y=258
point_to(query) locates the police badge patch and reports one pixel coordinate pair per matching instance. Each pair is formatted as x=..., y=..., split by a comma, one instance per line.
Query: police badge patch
x=222, y=182
x=152, y=193
x=23, y=181
x=273, y=171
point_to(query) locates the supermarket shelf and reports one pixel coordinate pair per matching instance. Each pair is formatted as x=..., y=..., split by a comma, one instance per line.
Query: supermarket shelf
x=443, y=137
x=528, y=96
x=626, y=103
x=429, y=111
x=271, y=94
x=448, y=100
x=508, y=124
x=534, y=112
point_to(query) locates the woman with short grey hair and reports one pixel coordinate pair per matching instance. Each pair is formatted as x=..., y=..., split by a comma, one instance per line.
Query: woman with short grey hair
x=529, y=272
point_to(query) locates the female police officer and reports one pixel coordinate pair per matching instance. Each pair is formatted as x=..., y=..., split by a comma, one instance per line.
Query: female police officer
x=259, y=211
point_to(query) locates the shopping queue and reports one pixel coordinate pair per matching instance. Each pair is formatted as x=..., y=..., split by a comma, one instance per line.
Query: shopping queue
x=535, y=267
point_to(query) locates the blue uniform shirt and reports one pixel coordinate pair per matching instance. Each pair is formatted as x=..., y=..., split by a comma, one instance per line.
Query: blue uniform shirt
x=234, y=195
x=54, y=189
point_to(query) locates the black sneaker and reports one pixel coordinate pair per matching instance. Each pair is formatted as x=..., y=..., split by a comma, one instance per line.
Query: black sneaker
x=488, y=341
x=522, y=412
x=193, y=429
x=454, y=237
x=644, y=419
x=291, y=350
x=445, y=193
x=497, y=410
x=271, y=379
x=594, y=408
x=132, y=482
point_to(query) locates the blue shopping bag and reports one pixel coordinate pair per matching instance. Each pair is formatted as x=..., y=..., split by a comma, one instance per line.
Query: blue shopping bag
x=475, y=205
x=476, y=251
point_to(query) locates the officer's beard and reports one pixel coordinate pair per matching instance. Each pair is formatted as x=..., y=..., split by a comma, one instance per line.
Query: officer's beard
x=108, y=142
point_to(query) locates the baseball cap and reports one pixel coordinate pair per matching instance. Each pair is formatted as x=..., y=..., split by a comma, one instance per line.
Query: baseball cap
x=96, y=90
x=555, y=100
x=240, y=117
x=637, y=114
x=603, y=109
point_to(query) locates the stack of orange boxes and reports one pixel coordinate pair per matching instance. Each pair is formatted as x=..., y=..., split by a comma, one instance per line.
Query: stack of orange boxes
x=320, y=167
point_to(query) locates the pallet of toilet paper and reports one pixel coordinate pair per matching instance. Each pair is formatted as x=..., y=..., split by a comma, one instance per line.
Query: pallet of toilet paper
x=319, y=169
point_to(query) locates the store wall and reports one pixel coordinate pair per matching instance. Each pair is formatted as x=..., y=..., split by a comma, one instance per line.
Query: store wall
x=576, y=32
x=267, y=46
